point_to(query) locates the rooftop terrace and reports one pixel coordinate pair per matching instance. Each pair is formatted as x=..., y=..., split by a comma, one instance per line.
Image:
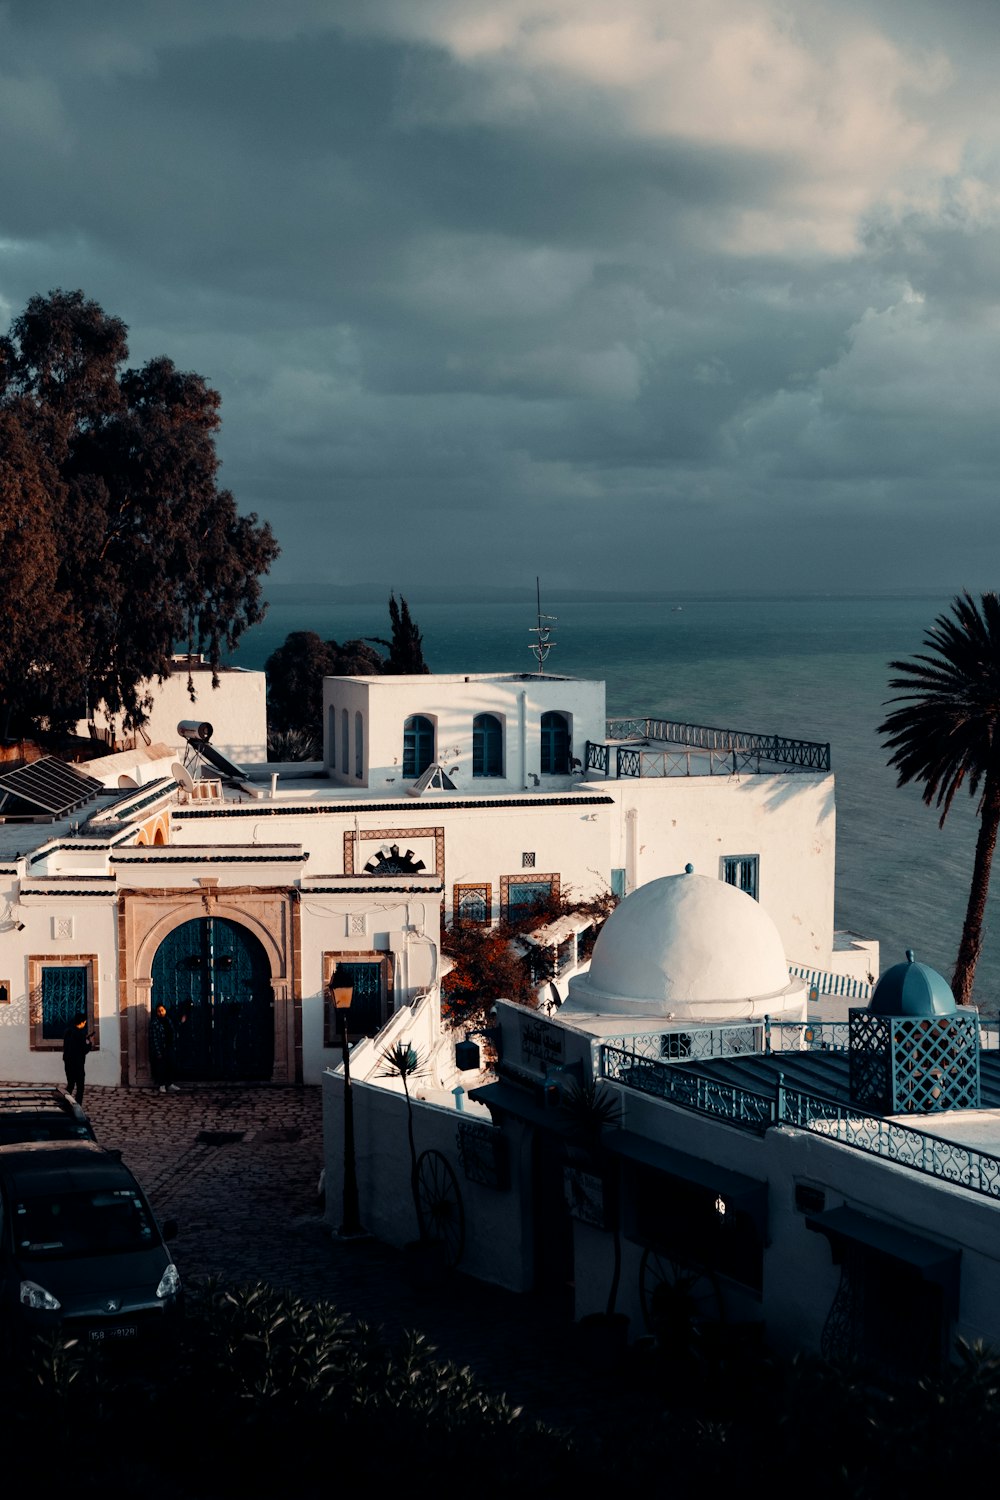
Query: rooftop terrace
x=667, y=747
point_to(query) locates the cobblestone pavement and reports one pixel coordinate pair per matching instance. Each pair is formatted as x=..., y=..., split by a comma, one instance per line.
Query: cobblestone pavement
x=238, y=1168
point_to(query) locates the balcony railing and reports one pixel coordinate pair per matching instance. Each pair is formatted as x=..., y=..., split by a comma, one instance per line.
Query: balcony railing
x=671, y=748
x=824, y=982
x=849, y=1125
x=706, y=1096
x=735, y=1039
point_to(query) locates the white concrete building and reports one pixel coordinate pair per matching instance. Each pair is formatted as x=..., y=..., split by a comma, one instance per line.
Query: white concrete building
x=235, y=896
x=835, y=1185
x=534, y=777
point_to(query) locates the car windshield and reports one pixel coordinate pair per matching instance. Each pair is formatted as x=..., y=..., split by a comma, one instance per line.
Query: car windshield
x=36, y=1128
x=91, y=1223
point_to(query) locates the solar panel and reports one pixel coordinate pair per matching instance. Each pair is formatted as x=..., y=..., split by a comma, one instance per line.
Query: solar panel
x=50, y=784
x=217, y=759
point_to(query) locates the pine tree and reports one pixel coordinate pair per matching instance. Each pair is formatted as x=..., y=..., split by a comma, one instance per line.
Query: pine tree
x=406, y=655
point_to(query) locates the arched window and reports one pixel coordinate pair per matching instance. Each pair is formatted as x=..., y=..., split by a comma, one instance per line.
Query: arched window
x=359, y=746
x=331, y=729
x=555, y=745
x=418, y=745
x=487, y=745
x=345, y=743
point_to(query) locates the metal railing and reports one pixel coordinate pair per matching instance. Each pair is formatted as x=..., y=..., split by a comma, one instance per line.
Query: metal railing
x=946, y=1160
x=742, y=749
x=707, y=1096
x=734, y=1039
x=697, y=1043
x=848, y=1125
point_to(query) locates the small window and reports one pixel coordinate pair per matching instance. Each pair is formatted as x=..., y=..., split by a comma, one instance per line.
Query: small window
x=472, y=903
x=555, y=745
x=487, y=745
x=331, y=734
x=742, y=871
x=809, y=1199
x=345, y=742
x=359, y=746
x=418, y=746
x=618, y=884
x=59, y=991
x=519, y=894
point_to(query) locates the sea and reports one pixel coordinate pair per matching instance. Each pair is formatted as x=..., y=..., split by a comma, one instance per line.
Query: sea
x=810, y=667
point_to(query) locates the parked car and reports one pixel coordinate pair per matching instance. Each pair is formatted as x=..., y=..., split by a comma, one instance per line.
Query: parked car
x=80, y=1248
x=41, y=1114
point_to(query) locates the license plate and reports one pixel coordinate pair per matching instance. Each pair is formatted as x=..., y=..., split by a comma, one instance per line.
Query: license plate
x=118, y=1331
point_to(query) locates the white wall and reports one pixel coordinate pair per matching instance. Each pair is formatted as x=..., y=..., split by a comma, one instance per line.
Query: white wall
x=570, y=839
x=451, y=703
x=789, y=821
x=405, y=926
x=236, y=709
x=56, y=928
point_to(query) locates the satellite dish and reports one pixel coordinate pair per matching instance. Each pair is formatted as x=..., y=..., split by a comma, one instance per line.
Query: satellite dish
x=127, y=783
x=182, y=777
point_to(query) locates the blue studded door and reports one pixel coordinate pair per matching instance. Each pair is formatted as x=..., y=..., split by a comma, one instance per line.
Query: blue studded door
x=214, y=979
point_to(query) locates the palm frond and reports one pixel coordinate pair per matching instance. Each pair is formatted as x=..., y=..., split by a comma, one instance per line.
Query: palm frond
x=401, y=1060
x=944, y=720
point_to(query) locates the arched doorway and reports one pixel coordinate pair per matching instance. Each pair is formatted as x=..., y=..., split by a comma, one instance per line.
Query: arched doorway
x=213, y=976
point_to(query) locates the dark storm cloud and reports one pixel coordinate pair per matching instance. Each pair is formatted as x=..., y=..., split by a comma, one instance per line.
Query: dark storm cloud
x=692, y=297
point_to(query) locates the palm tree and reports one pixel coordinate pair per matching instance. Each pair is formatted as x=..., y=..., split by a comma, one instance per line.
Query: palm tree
x=948, y=732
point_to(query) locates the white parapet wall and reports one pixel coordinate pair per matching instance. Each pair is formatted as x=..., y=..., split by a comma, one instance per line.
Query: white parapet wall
x=236, y=709
x=487, y=1209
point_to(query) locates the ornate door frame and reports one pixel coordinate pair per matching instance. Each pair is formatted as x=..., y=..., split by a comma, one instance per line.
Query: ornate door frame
x=145, y=917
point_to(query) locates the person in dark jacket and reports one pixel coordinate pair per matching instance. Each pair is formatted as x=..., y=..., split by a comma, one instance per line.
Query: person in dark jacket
x=76, y=1044
x=162, y=1049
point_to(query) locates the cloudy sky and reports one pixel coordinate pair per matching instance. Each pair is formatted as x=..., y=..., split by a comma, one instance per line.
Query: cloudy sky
x=654, y=293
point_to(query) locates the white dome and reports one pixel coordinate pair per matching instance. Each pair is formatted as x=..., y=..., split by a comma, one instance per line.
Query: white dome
x=687, y=946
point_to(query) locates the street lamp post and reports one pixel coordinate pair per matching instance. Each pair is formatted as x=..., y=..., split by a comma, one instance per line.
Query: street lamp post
x=343, y=993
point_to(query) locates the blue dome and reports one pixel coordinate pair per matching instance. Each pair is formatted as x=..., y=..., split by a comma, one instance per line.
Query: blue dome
x=912, y=989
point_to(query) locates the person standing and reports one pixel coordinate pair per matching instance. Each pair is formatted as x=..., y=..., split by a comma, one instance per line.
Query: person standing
x=76, y=1044
x=162, y=1049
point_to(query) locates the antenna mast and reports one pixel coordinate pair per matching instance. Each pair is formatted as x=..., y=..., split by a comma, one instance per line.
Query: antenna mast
x=543, y=645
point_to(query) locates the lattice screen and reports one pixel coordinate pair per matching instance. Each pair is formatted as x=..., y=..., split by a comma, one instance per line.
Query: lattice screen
x=914, y=1064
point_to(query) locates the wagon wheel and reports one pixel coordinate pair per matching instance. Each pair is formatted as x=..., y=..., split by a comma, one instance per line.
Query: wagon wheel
x=678, y=1299
x=442, y=1217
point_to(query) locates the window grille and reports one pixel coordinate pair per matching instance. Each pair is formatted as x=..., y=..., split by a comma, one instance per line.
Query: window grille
x=742, y=871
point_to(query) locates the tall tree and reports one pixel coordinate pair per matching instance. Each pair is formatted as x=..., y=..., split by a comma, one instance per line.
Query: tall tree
x=406, y=649
x=295, y=672
x=947, y=732
x=149, y=553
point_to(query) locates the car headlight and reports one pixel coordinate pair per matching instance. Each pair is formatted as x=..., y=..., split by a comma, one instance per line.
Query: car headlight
x=170, y=1282
x=33, y=1295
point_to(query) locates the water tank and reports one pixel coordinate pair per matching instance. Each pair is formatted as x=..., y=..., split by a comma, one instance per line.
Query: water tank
x=190, y=729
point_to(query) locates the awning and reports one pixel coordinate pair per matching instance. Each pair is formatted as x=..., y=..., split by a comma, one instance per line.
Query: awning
x=745, y=1194
x=507, y=1100
x=935, y=1262
x=554, y=933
